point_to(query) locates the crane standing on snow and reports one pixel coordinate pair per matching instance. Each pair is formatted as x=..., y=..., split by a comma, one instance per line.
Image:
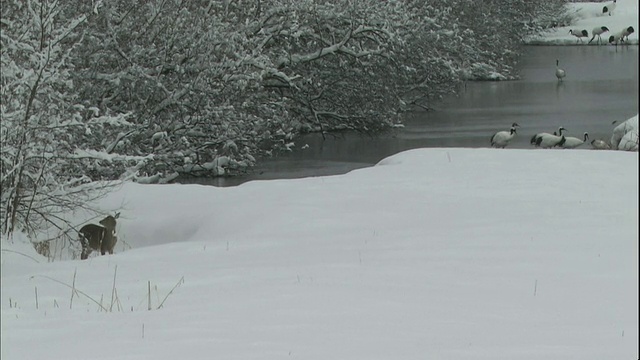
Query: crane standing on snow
x=621, y=36
x=597, y=31
x=502, y=138
x=573, y=142
x=550, y=138
x=608, y=9
x=625, y=33
x=579, y=34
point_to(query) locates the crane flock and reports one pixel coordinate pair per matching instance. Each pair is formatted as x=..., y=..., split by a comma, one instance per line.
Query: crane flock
x=547, y=140
x=558, y=139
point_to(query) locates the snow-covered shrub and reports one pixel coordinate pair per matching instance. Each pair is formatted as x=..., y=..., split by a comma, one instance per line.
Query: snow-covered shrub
x=155, y=88
x=43, y=120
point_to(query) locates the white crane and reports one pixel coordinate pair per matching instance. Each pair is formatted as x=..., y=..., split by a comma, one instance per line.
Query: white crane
x=502, y=138
x=608, y=9
x=620, y=36
x=560, y=73
x=536, y=139
x=547, y=142
x=597, y=31
x=615, y=39
x=625, y=33
x=579, y=34
x=573, y=142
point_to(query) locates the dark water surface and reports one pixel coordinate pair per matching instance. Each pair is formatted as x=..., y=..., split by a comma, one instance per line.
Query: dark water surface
x=601, y=86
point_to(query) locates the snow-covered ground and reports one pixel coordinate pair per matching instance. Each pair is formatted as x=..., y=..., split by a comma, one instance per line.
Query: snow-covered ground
x=431, y=254
x=588, y=16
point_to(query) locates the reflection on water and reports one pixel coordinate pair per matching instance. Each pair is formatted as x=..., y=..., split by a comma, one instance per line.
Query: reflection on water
x=601, y=86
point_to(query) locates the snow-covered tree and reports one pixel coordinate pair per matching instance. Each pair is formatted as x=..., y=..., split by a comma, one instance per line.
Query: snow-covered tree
x=42, y=118
x=209, y=86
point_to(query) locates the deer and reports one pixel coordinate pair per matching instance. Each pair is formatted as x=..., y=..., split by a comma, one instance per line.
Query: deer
x=103, y=237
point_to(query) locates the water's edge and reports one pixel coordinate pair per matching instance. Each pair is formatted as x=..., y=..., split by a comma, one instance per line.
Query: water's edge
x=601, y=86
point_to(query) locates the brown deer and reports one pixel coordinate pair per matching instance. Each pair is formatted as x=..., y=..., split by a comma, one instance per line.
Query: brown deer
x=93, y=237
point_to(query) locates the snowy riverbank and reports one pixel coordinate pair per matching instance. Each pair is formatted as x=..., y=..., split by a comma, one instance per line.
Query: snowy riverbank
x=433, y=253
x=588, y=16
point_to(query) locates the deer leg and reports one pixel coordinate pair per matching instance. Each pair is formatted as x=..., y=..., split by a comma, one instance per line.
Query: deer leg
x=114, y=241
x=85, y=253
x=107, y=243
x=84, y=242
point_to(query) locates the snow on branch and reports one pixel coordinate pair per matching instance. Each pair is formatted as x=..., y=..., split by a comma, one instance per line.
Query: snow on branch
x=101, y=155
x=339, y=47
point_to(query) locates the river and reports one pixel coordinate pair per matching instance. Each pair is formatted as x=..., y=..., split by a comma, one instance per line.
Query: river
x=601, y=86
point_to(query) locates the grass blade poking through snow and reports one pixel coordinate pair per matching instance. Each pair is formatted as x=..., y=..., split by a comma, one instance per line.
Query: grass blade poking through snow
x=180, y=282
x=73, y=289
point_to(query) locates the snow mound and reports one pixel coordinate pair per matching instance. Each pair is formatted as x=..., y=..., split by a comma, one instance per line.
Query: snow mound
x=625, y=135
x=439, y=254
